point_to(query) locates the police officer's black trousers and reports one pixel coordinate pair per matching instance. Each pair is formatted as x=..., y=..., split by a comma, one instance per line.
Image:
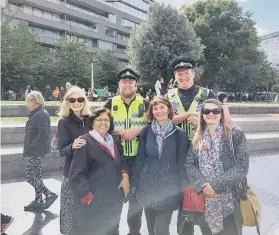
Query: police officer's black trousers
x=135, y=208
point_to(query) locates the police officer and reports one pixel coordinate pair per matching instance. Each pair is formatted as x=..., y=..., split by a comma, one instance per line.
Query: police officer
x=186, y=102
x=129, y=113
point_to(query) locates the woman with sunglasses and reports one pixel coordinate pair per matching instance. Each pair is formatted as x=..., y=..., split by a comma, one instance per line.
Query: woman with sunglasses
x=74, y=111
x=97, y=172
x=216, y=161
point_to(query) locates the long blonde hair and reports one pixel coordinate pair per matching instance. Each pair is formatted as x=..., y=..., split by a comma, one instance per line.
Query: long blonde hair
x=64, y=110
x=197, y=141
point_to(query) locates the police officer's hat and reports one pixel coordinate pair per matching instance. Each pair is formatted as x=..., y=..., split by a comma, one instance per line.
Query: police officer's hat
x=183, y=62
x=127, y=74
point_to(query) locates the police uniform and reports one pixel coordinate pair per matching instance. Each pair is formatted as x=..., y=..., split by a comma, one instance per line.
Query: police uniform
x=129, y=116
x=187, y=100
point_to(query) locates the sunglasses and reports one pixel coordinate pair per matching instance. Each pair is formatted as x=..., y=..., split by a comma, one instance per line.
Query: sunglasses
x=73, y=100
x=214, y=111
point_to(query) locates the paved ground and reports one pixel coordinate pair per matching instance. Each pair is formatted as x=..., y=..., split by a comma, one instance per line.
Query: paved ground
x=263, y=178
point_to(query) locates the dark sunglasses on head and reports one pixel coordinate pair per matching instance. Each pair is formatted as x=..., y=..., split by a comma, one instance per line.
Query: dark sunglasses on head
x=73, y=100
x=208, y=111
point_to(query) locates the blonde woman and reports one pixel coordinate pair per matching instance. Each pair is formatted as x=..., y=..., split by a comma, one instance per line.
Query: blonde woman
x=36, y=146
x=217, y=160
x=73, y=124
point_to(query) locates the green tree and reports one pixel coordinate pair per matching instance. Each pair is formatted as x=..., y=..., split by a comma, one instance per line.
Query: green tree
x=107, y=66
x=22, y=57
x=72, y=63
x=233, y=60
x=166, y=35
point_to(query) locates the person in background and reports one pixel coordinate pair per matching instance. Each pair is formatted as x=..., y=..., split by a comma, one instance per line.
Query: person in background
x=98, y=172
x=223, y=98
x=36, y=146
x=55, y=94
x=216, y=161
x=160, y=177
x=61, y=93
x=164, y=87
x=129, y=114
x=6, y=221
x=48, y=93
x=158, y=86
x=68, y=85
x=74, y=111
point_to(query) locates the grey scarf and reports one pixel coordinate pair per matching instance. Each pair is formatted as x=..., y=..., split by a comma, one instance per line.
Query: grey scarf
x=162, y=133
x=107, y=141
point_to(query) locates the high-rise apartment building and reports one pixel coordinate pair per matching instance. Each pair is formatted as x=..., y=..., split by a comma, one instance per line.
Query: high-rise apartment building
x=101, y=24
x=270, y=44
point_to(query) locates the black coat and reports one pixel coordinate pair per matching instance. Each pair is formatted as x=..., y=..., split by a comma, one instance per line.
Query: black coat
x=70, y=128
x=94, y=170
x=37, y=133
x=160, y=182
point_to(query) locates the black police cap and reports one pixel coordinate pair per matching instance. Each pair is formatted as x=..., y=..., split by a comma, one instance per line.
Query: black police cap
x=127, y=74
x=183, y=62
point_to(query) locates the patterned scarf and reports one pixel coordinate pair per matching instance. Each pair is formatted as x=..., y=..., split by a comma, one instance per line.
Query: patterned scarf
x=162, y=133
x=107, y=141
x=211, y=167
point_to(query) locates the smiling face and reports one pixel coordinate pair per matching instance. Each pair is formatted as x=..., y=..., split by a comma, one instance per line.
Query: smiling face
x=127, y=88
x=211, y=114
x=76, y=102
x=102, y=124
x=160, y=112
x=185, y=78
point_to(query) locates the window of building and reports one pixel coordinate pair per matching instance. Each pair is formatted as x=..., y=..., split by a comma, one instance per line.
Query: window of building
x=44, y=32
x=129, y=24
x=94, y=42
x=122, y=36
x=109, y=32
x=37, y=12
x=112, y=18
x=28, y=10
x=106, y=45
x=121, y=49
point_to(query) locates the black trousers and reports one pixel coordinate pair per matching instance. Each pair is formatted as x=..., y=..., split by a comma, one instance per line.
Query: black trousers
x=135, y=208
x=229, y=227
x=158, y=221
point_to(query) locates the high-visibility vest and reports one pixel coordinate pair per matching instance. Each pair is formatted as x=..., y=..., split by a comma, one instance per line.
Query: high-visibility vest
x=135, y=116
x=195, y=106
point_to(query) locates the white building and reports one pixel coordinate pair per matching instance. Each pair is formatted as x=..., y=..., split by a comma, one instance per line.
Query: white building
x=270, y=44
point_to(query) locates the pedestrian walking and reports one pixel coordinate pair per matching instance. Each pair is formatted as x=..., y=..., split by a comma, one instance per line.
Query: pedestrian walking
x=216, y=162
x=186, y=102
x=129, y=114
x=36, y=146
x=160, y=177
x=73, y=124
x=97, y=176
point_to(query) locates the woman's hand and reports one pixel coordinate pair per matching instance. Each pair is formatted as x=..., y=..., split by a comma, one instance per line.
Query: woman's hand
x=78, y=143
x=125, y=184
x=208, y=190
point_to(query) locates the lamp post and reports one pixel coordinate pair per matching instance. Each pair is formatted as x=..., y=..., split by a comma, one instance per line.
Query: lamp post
x=92, y=72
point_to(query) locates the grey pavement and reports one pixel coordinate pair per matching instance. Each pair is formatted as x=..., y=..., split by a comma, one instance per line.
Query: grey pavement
x=263, y=178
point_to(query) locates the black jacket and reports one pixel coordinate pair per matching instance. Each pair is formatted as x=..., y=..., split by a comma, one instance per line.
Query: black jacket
x=70, y=128
x=37, y=133
x=160, y=182
x=94, y=170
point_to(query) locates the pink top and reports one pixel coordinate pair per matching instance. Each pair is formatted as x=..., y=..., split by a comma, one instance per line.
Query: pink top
x=227, y=115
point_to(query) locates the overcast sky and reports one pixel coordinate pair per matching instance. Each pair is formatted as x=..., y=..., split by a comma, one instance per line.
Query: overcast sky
x=265, y=12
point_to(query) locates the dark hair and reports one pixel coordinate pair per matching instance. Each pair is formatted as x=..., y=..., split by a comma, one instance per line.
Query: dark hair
x=221, y=96
x=97, y=112
x=156, y=101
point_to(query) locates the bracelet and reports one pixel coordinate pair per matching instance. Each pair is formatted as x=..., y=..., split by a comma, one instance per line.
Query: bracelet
x=124, y=174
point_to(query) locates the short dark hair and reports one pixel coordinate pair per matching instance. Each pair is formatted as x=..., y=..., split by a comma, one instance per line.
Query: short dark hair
x=221, y=96
x=97, y=112
x=156, y=101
